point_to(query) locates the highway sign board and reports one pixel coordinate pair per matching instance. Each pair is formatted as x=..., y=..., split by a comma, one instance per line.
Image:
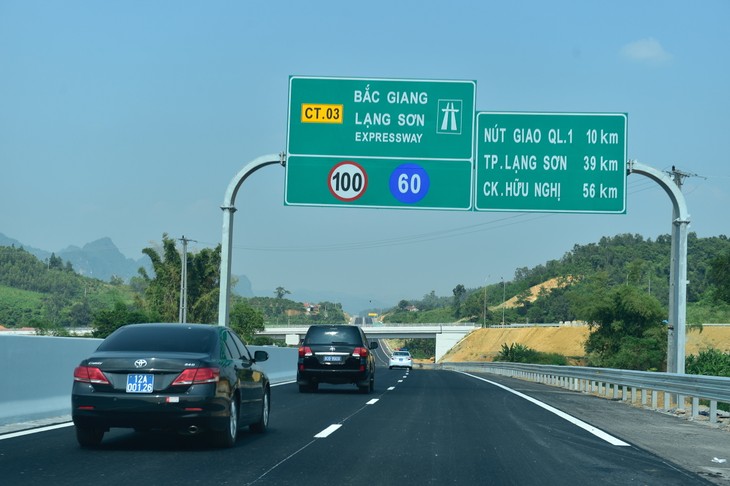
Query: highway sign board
x=379, y=183
x=551, y=162
x=380, y=143
x=381, y=118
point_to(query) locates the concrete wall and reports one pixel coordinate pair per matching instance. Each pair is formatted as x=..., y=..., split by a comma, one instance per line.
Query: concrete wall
x=36, y=373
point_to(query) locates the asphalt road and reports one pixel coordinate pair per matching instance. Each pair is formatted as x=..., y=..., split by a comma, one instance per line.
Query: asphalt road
x=419, y=427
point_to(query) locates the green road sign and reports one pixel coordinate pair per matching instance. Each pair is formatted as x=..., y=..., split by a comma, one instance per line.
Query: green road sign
x=380, y=143
x=378, y=183
x=384, y=118
x=551, y=162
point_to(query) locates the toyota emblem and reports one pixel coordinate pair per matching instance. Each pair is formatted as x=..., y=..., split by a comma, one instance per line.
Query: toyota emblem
x=140, y=363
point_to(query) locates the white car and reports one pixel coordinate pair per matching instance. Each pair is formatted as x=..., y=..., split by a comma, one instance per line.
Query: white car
x=400, y=359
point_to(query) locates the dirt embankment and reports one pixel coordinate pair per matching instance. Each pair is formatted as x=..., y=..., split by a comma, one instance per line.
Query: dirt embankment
x=485, y=344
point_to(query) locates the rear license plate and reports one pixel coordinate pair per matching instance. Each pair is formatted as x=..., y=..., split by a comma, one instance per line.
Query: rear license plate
x=333, y=359
x=140, y=383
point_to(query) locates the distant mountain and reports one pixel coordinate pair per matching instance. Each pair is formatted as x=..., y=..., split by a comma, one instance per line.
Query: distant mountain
x=99, y=259
x=40, y=254
x=102, y=259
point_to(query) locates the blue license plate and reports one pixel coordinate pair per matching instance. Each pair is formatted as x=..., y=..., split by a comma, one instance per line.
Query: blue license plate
x=333, y=359
x=140, y=383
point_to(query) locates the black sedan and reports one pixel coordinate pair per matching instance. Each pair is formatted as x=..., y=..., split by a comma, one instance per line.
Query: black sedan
x=190, y=378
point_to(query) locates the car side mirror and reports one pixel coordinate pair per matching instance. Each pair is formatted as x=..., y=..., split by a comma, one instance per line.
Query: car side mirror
x=259, y=356
x=373, y=345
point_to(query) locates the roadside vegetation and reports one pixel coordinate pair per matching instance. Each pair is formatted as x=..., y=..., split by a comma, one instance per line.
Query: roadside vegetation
x=619, y=286
x=52, y=298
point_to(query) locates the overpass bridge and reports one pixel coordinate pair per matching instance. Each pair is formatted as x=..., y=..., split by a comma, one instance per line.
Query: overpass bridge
x=446, y=334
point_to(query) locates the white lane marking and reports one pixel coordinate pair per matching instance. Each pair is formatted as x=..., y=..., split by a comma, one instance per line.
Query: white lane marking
x=373, y=401
x=35, y=431
x=329, y=430
x=575, y=421
x=405, y=376
x=391, y=388
x=400, y=381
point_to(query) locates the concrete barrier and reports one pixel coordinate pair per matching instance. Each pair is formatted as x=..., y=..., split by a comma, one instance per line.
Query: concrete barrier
x=37, y=373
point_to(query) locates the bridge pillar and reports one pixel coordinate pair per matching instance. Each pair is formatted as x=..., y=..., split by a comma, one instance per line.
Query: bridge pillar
x=447, y=339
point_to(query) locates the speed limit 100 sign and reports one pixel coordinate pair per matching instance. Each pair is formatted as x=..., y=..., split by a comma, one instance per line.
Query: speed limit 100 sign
x=347, y=181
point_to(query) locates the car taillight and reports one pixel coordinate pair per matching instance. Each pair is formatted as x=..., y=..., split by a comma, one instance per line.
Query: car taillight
x=90, y=374
x=360, y=352
x=305, y=351
x=193, y=376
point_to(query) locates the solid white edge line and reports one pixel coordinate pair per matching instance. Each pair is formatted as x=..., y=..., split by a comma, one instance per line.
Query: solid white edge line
x=329, y=430
x=575, y=421
x=35, y=431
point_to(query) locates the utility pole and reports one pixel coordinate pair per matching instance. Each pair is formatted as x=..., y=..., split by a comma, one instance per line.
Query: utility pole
x=183, y=314
x=504, y=303
x=679, y=176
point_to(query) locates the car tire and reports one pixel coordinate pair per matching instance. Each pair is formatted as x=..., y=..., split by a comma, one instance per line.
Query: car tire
x=369, y=387
x=263, y=423
x=390, y=367
x=227, y=438
x=89, y=437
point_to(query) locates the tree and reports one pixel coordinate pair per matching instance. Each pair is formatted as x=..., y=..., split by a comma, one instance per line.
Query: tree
x=162, y=295
x=281, y=292
x=246, y=320
x=107, y=321
x=719, y=276
x=459, y=293
x=626, y=330
x=162, y=292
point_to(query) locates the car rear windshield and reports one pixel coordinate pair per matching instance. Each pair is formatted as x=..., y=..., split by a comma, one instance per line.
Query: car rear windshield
x=401, y=353
x=333, y=335
x=161, y=338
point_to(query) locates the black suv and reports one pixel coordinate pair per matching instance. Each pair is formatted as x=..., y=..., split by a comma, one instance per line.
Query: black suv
x=336, y=355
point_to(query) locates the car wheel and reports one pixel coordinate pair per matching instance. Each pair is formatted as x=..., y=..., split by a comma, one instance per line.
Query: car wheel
x=390, y=367
x=227, y=437
x=369, y=387
x=263, y=423
x=89, y=437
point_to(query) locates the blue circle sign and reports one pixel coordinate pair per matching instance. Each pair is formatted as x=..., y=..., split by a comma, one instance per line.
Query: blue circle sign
x=409, y=183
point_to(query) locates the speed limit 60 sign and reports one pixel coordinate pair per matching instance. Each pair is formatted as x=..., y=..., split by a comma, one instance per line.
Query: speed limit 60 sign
x=359, y=182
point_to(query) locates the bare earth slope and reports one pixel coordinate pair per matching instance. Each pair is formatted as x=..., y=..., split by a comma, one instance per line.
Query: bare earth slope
x=485, y=344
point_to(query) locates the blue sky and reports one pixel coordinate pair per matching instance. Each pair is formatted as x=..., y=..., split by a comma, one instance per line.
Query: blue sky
x=129, y=120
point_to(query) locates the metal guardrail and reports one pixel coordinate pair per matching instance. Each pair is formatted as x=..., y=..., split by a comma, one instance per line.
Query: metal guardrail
x=616, y=383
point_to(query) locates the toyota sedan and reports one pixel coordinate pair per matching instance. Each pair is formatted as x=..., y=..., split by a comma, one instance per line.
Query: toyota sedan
x=189, y=378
